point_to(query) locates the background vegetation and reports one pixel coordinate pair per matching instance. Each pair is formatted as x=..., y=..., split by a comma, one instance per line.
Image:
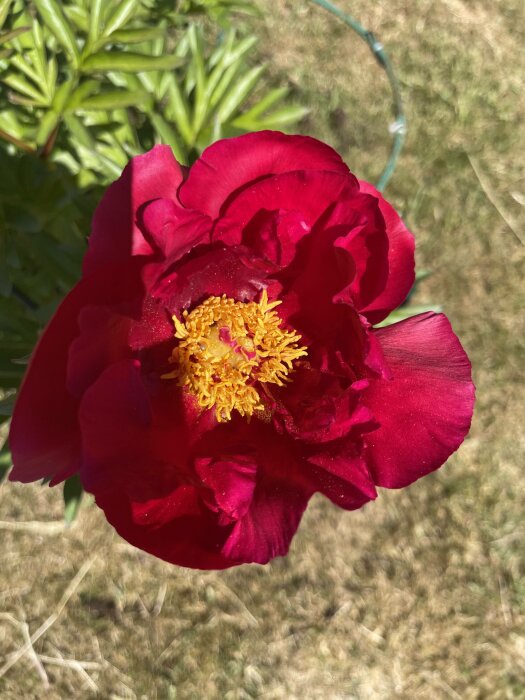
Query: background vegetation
x=419, y=595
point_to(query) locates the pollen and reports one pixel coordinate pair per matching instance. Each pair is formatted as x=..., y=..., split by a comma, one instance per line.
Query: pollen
x=227, y=349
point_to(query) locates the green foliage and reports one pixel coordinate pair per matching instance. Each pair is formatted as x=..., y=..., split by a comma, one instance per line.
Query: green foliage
x=91, y=83
x=73, y=493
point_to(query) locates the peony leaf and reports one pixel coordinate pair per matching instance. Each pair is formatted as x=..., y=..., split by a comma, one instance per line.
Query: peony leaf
x=279, y=119
x=123, y=12
x=4, y=10
x=95, y=20
x=73, y=493
x=178, y=110
x=7, y=36
x=239, y=93
x=168, y=135
x=55, y=20
x=5, y=462
x=137, y=36
x=128, y=62
x=113, y=99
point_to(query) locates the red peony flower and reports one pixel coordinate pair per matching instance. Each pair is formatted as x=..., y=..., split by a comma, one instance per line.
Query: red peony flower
x=217, y=364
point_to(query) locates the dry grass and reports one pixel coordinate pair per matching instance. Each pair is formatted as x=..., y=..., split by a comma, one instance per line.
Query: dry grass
x=422, y=594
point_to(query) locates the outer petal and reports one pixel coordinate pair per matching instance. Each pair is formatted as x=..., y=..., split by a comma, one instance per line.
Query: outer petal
x=44, y=436
x=267, y=528
x=231, y=164
x=426, y=408
x=137, y=431
x=115, y=235
x=178, y=528
x=341, y=474
x=400, y=261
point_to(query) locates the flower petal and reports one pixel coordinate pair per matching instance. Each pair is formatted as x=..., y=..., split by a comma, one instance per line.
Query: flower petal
x=178, y=527
x=400, y=261
x=342, y=475
x=231, y=164
x=136, y=432
x=267, y=528
x=174, y=231
x=231, y=481
x=425, y=409
x=44, y=436
x=115, y=234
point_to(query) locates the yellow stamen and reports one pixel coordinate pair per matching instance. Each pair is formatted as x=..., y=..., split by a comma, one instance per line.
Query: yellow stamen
x=226, y=347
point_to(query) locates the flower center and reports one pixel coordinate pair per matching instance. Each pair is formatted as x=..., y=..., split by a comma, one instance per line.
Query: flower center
x=227, y=348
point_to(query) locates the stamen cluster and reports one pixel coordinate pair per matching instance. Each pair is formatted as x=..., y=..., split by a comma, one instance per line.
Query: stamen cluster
x=227, y=348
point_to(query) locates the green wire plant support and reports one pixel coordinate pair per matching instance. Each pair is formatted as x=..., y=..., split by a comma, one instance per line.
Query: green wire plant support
x=398, y=128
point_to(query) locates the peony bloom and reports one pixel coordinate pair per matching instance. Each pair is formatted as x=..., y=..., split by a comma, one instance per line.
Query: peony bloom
x=217, y=364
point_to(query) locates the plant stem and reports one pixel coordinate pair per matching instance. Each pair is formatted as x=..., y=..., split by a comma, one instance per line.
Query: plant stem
x=399, y=127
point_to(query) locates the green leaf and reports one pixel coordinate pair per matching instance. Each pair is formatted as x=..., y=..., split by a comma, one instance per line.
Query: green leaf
x=78, y=16
x=20, y=84
x=82, y=92
x=128, y=62
x=239, y=92
x=73, y=493
x=178, y=109
x=264, y=104
x=114, y=99
x=56, y=22
x=4, y=10
x=5, y=462
x=279, y=119
x=404, y=312
x=7, y=36
x=123, y=12
x=46, y=127
x=168, y=135
x=95, y=16
x=137, y=36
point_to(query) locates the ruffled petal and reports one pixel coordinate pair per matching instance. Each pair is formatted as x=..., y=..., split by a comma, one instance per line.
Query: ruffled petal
x=341, y=474
x=115, y=234
x=44, y=436
x=425, y=409
x=267, y=528
x=308, y=192
x=401, y=273
x=173, y=230
x=177, y=527
x=231, y=164
x=231, y=483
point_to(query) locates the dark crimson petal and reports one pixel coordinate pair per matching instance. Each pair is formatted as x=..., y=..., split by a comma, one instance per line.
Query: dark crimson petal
x=341, y=474
x=178, y=528
x=274, y=235
x=316, y=407
x=231, y=481
x=269, y=525
x=308, y=192
x=44, y=436
x=137, y=432
x=103, y=339
x=115, y=235
x=401, y=273
x=231, y=164
x=172, y=229
x=214, y=272
x=425, y=409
